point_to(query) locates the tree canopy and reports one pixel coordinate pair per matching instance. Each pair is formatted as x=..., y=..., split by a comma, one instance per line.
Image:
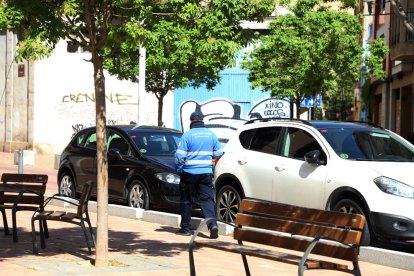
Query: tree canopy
x=186, y=46
x=312, y=50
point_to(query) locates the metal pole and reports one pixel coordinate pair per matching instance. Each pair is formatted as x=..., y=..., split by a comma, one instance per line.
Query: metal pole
x=141, y=81
x=20, y=161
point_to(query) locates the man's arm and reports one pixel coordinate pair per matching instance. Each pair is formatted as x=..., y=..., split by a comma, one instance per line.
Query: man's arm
x=181, y=155
x=217, y=148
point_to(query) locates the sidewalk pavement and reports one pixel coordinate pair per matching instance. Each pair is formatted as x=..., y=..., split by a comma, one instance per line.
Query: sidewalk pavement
x=136, y=247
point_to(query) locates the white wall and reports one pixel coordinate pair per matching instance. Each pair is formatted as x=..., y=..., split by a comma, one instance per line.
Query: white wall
x=64, y=93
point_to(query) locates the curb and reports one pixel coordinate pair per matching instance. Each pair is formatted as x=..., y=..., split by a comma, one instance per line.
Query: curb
x=368, y=254
x=387, y=257
x=168, y=219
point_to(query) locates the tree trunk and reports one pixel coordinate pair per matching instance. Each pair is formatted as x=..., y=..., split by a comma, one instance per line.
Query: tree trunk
x=160, y=106
x=315, y=106
x=297, y=104
x=101, y=258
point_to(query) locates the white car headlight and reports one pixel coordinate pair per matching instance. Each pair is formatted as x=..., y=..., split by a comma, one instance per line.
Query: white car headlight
x=394, y=187
x=168, y=177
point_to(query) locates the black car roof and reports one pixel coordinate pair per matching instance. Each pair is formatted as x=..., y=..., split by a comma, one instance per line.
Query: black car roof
x=135, y=128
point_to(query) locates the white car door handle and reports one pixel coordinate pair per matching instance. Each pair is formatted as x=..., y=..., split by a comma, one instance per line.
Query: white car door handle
x=280, y=168
x=242, y=162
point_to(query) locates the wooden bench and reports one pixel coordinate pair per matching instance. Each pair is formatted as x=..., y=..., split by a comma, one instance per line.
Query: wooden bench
x=20, y=192
x=79, y=218
x=293, y=233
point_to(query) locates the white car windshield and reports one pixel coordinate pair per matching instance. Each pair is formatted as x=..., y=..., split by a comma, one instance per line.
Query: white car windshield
x=156, y=143
x=368, y=145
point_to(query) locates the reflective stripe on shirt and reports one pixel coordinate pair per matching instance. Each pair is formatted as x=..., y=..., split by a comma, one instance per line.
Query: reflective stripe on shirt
x=197, y=162
x=199, y=153
x=183, y=152
x=194, y=153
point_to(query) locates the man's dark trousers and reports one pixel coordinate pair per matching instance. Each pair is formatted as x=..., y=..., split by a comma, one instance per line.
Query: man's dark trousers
x=203, y=185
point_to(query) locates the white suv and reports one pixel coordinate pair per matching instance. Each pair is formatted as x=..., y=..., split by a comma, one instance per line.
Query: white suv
x=352, y=167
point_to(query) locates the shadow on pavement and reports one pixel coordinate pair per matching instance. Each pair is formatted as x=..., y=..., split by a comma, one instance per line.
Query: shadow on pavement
x=70, y=240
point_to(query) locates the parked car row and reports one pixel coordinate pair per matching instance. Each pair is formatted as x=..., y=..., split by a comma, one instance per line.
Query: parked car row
x=352, y=167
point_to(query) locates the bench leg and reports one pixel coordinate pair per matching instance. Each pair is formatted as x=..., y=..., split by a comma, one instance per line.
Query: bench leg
x=14, y=222
x=245, y=263
x=5, y=225
x=42, y=234
x=356, y=270
x=85, y=232
x=191, y=256
x=34, y=243
x=88, y=221
x=45, y=229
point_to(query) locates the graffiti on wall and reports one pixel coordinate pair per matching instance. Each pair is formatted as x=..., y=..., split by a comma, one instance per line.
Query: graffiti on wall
x=78, y=127
x=80, y=108
x=270, y=108
x=224, y=116
x=114, y=98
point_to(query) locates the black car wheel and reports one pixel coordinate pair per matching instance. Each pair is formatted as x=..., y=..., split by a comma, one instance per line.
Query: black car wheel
x=228, y=202
x=351, y=207
x=138, y=196
x=67, y=186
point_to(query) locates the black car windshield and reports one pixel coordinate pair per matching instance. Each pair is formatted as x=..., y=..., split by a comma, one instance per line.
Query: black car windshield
x=156, y=143
x=368, y=144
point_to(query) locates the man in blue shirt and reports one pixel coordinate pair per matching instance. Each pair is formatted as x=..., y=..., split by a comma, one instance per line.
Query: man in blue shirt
x=194, y=158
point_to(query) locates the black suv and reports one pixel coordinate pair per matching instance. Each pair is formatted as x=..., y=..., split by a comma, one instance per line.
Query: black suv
x=141, y=169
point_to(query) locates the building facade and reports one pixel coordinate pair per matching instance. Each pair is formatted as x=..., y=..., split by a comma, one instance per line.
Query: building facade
x=43, y=103
x=390, y=103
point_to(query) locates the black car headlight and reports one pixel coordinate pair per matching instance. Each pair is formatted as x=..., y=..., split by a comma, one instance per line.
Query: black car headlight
x=394, y=187
x=168, y=177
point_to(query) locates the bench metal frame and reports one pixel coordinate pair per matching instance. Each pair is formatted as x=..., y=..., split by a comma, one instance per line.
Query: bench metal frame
x=79, y=218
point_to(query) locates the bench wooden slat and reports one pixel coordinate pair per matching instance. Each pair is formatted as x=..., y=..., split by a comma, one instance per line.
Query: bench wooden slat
x=17, y=187
x=26, y=199
x=45, y=213
x=70, y=216
x=254, y=206
x=299, y=228
x=268, y=254
x=22, y=207
x=294, y=243
x=57, y=214
x=27, y=178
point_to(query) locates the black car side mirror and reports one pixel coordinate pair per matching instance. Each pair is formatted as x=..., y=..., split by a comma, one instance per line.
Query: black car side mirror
x=116, y=152
x=314, y=157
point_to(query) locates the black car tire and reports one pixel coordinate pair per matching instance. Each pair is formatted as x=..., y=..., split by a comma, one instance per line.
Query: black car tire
x=67, y=185
x=138, y=196
x=351, y=207
x=227, y=204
